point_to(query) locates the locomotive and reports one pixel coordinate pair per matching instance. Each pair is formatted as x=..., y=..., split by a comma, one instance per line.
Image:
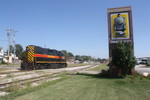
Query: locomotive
x=120, y=26
x=43, y=58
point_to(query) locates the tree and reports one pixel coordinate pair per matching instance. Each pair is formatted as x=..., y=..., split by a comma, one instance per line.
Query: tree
x=70, y=54
x=98, y=60
x=103, y=60
x=83, y=58
x=67, y=54
x=122, y=57
x=23, y=56
x=19, y=51
x=78, y=57
x=11, y=49
x=86, y=58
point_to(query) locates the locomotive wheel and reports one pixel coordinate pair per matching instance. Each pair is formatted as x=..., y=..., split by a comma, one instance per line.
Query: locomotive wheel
x=29, y=66
x=63, y=65
x=24, y=65
x=38, y=66
x=48, y=66
x=59, y=65
x=66, y=65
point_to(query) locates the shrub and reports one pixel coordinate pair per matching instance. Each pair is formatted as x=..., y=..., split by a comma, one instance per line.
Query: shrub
x=123, y=58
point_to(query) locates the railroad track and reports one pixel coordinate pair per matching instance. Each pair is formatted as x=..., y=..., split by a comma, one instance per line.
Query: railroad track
x=9, y=72
x=38, y=77
x=26, y=81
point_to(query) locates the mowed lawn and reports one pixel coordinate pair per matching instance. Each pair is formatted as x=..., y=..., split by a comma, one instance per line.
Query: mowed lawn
x=92, y=87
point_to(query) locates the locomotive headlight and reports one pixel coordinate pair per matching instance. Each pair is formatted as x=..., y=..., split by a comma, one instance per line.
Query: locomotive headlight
x=120, y=20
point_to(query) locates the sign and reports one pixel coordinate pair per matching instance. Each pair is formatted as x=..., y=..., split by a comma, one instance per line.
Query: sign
x=120, y=29
x=120, y=26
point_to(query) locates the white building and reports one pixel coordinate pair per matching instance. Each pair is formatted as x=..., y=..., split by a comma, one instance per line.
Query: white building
x=11, y=58
x=1, y=54
x=3, y=57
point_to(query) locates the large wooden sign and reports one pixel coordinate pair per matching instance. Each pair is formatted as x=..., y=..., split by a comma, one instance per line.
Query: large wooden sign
x=119, y=29
x=119, y=26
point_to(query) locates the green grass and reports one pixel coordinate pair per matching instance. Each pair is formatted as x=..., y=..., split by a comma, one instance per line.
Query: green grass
x=99, y=68
x=76, y=65
x=90, y=87
x=9, y=76
x=16, y=91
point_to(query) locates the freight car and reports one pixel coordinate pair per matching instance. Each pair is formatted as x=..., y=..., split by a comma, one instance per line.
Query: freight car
x=43, y=58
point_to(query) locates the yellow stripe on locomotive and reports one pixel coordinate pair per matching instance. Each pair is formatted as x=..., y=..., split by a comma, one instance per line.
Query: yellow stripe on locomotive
x=30, y=53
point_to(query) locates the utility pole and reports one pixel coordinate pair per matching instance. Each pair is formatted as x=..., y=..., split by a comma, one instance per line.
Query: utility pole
x=14, y=43
x=9, y=32
x=8, y=36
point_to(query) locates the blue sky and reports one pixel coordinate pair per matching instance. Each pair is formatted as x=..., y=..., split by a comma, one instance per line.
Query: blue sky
x=78, y=26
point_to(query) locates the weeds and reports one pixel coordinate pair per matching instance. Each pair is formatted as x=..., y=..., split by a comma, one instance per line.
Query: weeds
x=9, y=76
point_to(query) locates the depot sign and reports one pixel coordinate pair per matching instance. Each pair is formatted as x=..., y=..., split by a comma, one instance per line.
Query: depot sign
x=120, y=24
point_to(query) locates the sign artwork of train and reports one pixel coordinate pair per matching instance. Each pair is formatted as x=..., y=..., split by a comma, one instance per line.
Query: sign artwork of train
x=43, y=58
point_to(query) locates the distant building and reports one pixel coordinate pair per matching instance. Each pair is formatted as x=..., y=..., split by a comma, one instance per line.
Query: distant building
x=71, y=60
x=4, y=57
x=10, y=59
x=1, y=54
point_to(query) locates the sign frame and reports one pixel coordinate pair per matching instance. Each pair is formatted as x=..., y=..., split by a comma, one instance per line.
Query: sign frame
x=120, y=10
x=113, y=41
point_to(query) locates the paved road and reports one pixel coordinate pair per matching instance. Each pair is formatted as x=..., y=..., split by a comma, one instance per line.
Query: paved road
x=142, y=69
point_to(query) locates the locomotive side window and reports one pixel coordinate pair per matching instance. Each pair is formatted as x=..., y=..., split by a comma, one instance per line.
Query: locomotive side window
x=50, y=52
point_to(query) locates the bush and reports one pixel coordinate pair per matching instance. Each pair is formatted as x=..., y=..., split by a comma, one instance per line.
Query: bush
x=122, y=57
